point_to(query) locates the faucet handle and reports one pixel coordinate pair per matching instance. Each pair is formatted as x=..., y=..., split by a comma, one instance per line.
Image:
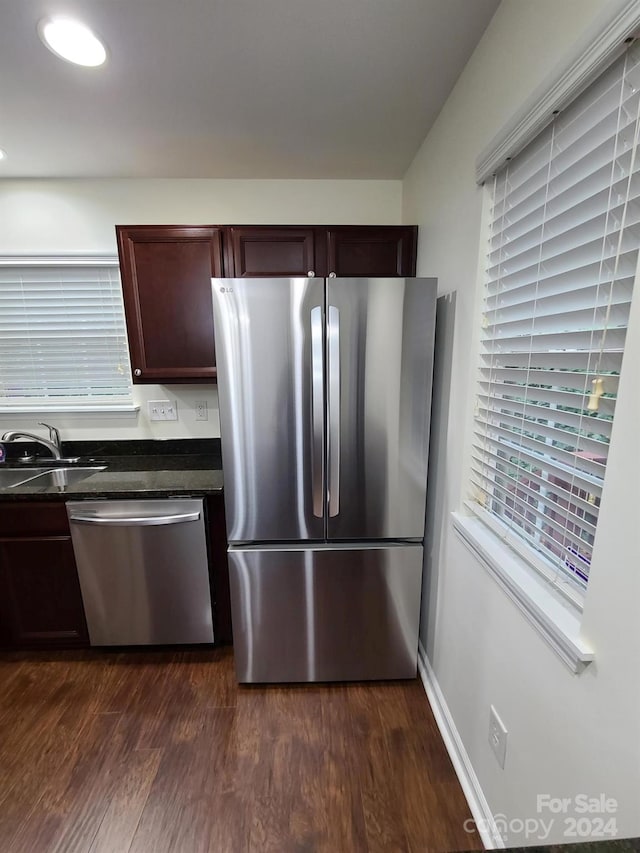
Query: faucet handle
x=54, y=435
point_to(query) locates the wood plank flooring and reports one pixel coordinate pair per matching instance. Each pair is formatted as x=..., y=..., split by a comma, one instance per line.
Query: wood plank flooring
x=161, y=751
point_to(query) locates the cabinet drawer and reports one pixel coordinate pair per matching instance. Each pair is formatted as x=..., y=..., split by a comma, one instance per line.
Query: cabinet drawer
x=33, y=519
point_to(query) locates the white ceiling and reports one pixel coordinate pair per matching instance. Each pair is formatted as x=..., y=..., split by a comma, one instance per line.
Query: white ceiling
x=232, y=88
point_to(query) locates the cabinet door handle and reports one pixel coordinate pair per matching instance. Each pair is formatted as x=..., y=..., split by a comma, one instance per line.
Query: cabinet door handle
x=332, y=275
x=137, y=372
x=311, y=274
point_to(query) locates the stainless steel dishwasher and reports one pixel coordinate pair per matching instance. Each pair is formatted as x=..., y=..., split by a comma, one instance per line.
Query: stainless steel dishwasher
x=143, y=571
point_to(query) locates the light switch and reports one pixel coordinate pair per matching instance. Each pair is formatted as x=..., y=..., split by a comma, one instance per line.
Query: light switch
x=162, y=410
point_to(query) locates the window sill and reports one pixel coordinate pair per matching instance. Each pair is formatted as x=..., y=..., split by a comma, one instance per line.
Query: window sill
x=552, y=617
x=109, y=411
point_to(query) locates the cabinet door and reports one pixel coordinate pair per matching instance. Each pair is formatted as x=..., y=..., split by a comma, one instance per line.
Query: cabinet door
x=367, y=251
x=166, y=281
x=40, y=592
x=278, y=251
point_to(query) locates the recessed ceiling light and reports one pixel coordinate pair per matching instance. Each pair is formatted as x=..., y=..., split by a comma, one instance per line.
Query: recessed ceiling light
x=72, y=41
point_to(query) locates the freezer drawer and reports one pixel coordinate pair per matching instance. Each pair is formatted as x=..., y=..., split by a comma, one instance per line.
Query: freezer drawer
x=325, y=613
x=143, y=571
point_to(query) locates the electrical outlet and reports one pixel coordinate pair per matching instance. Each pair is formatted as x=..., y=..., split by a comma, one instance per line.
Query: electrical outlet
x=497, y=736
x=162, y=410
x=202, y=412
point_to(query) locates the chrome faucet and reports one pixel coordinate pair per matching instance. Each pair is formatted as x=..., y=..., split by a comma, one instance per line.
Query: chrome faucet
x=53, y=444
x=54, y=435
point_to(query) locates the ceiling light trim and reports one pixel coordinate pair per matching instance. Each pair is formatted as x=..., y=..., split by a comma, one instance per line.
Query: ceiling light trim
x=72, y=41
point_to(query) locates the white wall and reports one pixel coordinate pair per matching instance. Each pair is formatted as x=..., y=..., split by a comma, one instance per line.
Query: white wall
x=567, y=734
x=74, y=216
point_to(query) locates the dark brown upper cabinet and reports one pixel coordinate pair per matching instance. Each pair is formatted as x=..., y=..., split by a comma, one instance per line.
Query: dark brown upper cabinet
x=272, y=251
x=341, y=250
x=166, y=280
x=369, y=251
x=167, y=270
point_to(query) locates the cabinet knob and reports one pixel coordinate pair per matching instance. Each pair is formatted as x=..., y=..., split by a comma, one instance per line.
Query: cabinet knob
x=332, y=275
x=137, y=372
x=311, y=274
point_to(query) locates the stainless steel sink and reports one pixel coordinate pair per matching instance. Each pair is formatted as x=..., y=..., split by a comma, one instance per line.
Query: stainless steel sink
x=44, y=477
x=61, y=476
x=11, y=477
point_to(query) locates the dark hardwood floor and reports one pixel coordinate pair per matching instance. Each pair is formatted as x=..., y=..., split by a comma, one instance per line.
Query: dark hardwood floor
x=162, y=751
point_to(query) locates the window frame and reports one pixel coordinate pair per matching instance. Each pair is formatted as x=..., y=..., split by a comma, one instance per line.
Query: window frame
x=550, y=572
x=122, y=408
x=554, y=615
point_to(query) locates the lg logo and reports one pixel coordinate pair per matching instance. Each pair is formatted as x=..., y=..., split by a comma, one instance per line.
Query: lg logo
x=226, y=290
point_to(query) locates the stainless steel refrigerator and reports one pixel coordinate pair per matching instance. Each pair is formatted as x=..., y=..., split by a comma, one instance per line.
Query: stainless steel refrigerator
x=324, y=391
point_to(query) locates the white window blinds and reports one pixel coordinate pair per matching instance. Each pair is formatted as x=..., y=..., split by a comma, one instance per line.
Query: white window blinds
x=559, y=275
x=63, y=340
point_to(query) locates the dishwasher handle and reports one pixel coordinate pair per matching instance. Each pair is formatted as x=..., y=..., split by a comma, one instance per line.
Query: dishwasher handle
x=135, y=521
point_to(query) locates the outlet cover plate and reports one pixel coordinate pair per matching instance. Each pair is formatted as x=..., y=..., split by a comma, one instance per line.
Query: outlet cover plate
x=497, y=736
x=202, y=412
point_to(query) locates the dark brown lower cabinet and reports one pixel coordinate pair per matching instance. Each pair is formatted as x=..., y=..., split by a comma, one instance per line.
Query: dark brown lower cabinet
x=219, y=571
x=40, y=600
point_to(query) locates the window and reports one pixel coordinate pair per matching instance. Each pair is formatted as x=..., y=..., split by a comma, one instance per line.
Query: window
x=563, y=252
x=63, y=342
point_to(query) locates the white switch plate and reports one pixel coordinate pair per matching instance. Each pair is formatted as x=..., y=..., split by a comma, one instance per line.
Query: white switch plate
x=162, y=410
x=497, y=736
x=202, y=412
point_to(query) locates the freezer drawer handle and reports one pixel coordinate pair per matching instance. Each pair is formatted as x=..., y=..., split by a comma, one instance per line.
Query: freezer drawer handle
x=136, y=521
x=333, y=345
x=317, y=413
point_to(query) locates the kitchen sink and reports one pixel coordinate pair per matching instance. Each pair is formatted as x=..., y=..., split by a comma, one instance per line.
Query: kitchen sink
x=10, y=477
x=61, y=476
x=43, y=477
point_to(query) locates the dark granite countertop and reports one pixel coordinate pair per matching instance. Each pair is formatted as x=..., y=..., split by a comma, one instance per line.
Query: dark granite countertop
x=142, y=469
x=613, y=845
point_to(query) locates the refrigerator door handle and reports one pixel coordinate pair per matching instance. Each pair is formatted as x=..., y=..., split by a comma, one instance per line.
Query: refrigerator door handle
x=317, y=412
x=333, y=357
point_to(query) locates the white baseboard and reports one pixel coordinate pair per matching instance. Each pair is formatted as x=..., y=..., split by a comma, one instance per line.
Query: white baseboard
x=458, y=754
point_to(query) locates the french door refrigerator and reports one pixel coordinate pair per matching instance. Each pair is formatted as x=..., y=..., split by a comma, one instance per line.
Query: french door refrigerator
x=324, y=391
